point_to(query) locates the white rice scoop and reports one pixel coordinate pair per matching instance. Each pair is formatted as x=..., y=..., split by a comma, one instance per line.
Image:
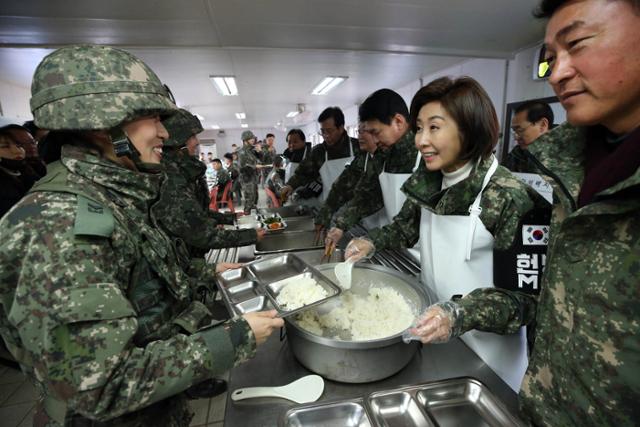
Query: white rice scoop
x=343, y=273
x=303, y=390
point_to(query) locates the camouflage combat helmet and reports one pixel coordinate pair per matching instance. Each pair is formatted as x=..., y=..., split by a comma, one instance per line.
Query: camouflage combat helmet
x=94, y=87
x=247, y=134
x=181, y=126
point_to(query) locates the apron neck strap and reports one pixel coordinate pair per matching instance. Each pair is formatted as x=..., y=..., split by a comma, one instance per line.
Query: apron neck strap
x=475, y=208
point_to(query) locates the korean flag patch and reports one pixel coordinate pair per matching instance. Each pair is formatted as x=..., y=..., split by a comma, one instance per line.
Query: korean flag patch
x=535, y=235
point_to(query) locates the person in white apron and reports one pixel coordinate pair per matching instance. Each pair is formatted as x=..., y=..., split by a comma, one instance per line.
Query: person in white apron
x=296, y=142
x=461, y=205
x=343, y=188
x=327, y=161
x=385, y=117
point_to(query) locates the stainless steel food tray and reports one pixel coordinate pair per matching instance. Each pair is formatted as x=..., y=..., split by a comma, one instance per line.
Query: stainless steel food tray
x=288, y=242
x=275, y=272
x=265, y=225
x=300, y=223
x=350, y=413
x=455, y=402
x=256, y=285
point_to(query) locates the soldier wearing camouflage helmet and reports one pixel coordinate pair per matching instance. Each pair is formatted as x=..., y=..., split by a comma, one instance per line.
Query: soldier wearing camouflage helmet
x=183, y=209
x=95, y=308
x=248, y=163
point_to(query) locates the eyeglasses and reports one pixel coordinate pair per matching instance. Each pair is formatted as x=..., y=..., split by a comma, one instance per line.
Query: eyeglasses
x=518, y=131
x=329, y=131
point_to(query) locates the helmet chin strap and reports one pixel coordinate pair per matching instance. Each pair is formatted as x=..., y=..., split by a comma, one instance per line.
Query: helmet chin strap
x=123, y=146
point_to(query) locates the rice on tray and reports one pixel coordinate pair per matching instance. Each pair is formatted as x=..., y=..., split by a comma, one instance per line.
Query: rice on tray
x=382, y=313
x=300, y=291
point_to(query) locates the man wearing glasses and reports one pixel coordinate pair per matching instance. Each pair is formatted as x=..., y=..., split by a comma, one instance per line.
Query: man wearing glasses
x=530, y=120
x=327, y=160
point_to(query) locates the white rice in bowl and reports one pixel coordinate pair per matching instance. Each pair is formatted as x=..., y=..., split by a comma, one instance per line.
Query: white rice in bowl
x=380, y=314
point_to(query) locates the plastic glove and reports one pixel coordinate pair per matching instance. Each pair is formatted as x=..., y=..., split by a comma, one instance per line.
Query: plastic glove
x=260, y=233
x=333, y=237
x=285, y=192
x=359, y=248
x=437, y=323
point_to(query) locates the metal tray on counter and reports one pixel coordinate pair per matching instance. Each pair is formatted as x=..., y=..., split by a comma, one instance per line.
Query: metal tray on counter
x=350, y=413
x=265, y=225
x=256, y=285
x=288, y=242
x=455, y=402
x=300, y=223
x=276, y=272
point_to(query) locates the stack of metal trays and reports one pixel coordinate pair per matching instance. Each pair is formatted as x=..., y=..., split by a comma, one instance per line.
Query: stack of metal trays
x=257, y=285
x=456, y=402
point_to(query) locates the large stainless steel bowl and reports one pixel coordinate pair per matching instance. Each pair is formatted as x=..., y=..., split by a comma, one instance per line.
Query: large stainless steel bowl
x=358, y=361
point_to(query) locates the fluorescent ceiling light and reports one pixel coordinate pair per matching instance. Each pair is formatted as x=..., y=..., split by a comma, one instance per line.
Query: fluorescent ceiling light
x=226, y=85
x=244, y=125
x=215, y=127
x=292, y=114
x=327, y=84
x=241, y=116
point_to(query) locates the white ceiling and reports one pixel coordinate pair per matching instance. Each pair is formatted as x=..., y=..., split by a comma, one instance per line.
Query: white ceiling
x=278, y=50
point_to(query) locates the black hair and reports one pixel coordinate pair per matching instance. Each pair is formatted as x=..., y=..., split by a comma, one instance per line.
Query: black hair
x=216, y=161
x=536, y=111
x=228, y=156
x=297, y=132
x=470, y=107
x=334, y=113
x=13, y=126
x=30, y=125
x=547, y=8
x=269, y=135
x=383, y=105
x=50, y=148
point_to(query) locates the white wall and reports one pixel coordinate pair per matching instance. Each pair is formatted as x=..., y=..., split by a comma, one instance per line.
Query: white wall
x=13, y=107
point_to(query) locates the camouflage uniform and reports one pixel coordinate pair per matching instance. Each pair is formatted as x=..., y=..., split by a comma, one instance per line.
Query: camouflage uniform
x=248, y=161
x=308, y=170
x=584, y=366
x=518, y=161
x=343, y=189
x=504, y=201
x=367, y=198
x=92, y=303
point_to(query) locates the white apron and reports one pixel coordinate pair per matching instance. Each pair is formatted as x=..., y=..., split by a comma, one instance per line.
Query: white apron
x=457, y=257
x=331, y=170
x=292, y=166
x=377, y=219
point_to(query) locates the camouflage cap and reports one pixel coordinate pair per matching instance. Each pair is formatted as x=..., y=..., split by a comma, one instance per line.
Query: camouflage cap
x=247, y=134
x=181, y=126
x=95, y=87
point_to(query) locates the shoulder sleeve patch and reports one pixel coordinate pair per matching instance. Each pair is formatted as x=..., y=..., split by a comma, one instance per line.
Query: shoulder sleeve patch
x=93, y=219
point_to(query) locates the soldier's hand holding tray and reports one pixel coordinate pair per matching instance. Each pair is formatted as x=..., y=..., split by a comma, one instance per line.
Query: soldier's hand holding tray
x=263, y=323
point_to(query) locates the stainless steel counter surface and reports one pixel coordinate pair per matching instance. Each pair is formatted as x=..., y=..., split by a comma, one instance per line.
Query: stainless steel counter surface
x=275, y=365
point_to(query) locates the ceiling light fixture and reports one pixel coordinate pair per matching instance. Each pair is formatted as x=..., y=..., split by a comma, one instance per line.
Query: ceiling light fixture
x=244, y=125
x=215, y=127
x=327, y=84
x=292, y=114
x=226, y=85
x=241, y=116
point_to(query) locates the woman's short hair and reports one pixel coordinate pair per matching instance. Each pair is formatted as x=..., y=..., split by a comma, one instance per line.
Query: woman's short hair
x=471, y=108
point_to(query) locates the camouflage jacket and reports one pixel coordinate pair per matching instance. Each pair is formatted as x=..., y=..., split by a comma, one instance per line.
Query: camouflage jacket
x=505, y=200
x=584, y=366
x=247, y=163
x=183, y=209
x=367, y=196
x=298, y=156
x=518, y=161
x=268, y=155
x=343, y=188
x=309, y=169
x=66, y=263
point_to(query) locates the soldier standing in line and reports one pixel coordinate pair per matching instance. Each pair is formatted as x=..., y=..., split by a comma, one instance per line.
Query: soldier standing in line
x=248, y=163
x=94, y=306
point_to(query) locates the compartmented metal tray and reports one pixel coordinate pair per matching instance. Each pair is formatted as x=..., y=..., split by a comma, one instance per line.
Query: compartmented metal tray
x=349, y=413
x=455, y=402
x=288, y=242
x=300, y=223
x=265, y=224
x=287, y=211
x=257, y=284
x=277, y=272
